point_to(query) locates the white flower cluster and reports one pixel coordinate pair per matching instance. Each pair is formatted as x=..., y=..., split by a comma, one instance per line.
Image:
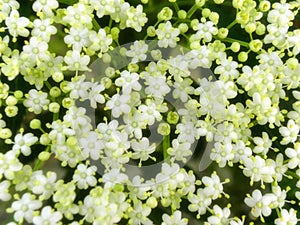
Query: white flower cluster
x=249, y=112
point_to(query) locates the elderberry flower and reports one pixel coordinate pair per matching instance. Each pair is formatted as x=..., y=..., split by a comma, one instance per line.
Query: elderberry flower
x=24, y=142
x=48, y=216
x=288, y=217
x=17, y=25
x=220, y=216
x=137, y=51
x=167, y=35
x=36, y=101
x=84, y=176
x=45, y=6
x=174, y=218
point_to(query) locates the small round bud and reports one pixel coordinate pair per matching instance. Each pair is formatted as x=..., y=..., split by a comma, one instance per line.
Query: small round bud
x=195, y=45
x=115, y=33
x=64, y=86
x=260, y=29
x=11, y=110
x=222, y=32
x=164, y=129
x=199, y=3
x=71, y=141
x=151, y=31
x=35, y=124
x=44, y=156
x=144, y=1
x=250, y=28
x=123, y=51
x=242, y=17
x=218, y=1
x=235, y=47
x=165, y=14
x=106, y=58
x=44, y=139
x=255, y=45
x=133, y=68
x=194, y=24
x=67, y=102
x=18, y=94
x=243, y=56
x=183, y=27
x=292, y=63
x=172, y=1
x=214, y=17
x=206, y=12
x=5, y=133
x=106, y=82
x=172, y=118
x=151, y=202
x=264, y=6
x=118, y=187
x=110, y=72
x=181, y=14
x=11, y=100
x=156, y=54
x=55, y=92
x=58, y=77
x=54, y=107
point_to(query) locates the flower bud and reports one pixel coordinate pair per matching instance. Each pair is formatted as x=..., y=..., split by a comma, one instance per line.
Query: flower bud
x=165, y=14
x=164, y=129
x=11, y=100
x=181, y=14
x=54, y=107
x=243, y=56
x=55, y=92
x=35, y=124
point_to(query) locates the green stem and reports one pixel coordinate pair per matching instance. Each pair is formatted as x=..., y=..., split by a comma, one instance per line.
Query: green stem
x=176, y=6
x=293, y=174
x=192, y=11
x=39, y=162
x=231, y=24
x=95, y=24
x=166, y=145
x=231, y=40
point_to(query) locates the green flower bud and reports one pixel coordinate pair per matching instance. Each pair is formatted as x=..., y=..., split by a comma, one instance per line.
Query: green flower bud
x=71, y=141
x=292, y=63
x=106, y=58
x=242, y=17
x=64, y=86
x=218, y=1
x=123, y=51
x=206, y=12
x=165, y=14
x=243, y=56
x=222, y=32
x=181, y=14
x=18, y=94
x=110, y=72
x=156, y=54
x=144, y=1
x=172, y=118
x=235, y=47
x=11, y=100
x=260, y=29
x=67, y=102
x=183, y=27
x=250, y=28
x=44, y=139
x=133, y=68
x=58, y=77
x=264, y=6
x=214, y=17
x=199, y=3
x=164, y=129
x=151, y=202
x=54, y=107
x=106, y=82
x=35, y=124
x=118, y=187
x=5, y=133
x=115, y=33
x=55, y=92
x=255, y=45
x=11, y=110
x=44, y=156
x=151, y=31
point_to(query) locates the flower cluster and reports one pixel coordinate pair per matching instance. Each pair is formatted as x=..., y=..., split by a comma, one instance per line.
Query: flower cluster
x=96, y=130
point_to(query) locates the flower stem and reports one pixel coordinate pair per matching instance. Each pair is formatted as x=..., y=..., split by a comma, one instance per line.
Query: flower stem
x=166, y=145
x=191, y=11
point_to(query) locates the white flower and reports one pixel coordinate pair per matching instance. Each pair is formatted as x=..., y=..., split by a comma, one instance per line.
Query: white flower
x=128, y=81
x=36, y=50
x=180, y=151
x=213, y=186
x=78, y=38
x=157, y=86
x=9, y=164
x=175, y=218
x=260, y=205
x=25, y=207
x=287, y=217
x=294, y=155
x=220, y=216
x=142, y=149
x=36, y=101
x=78, y=15
x=45, y=6
x=140, y=214
x=222, y=153
x=43, y=29
x=227, y=69
x=17, y=25
x=48, y=216
x=167, y=35
x=204, y=31
x=4, y=191
x=137, y=51
x=84, y=176
x=114, y=176
x=119, y=104
x=136, y=18
x=95, y=96
x=199, y=202
x=289, y=133
x=263, y=144
x=280, y=15
x=99, y=41
x=24, y=142
x=76, y=61
x=182, y=88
